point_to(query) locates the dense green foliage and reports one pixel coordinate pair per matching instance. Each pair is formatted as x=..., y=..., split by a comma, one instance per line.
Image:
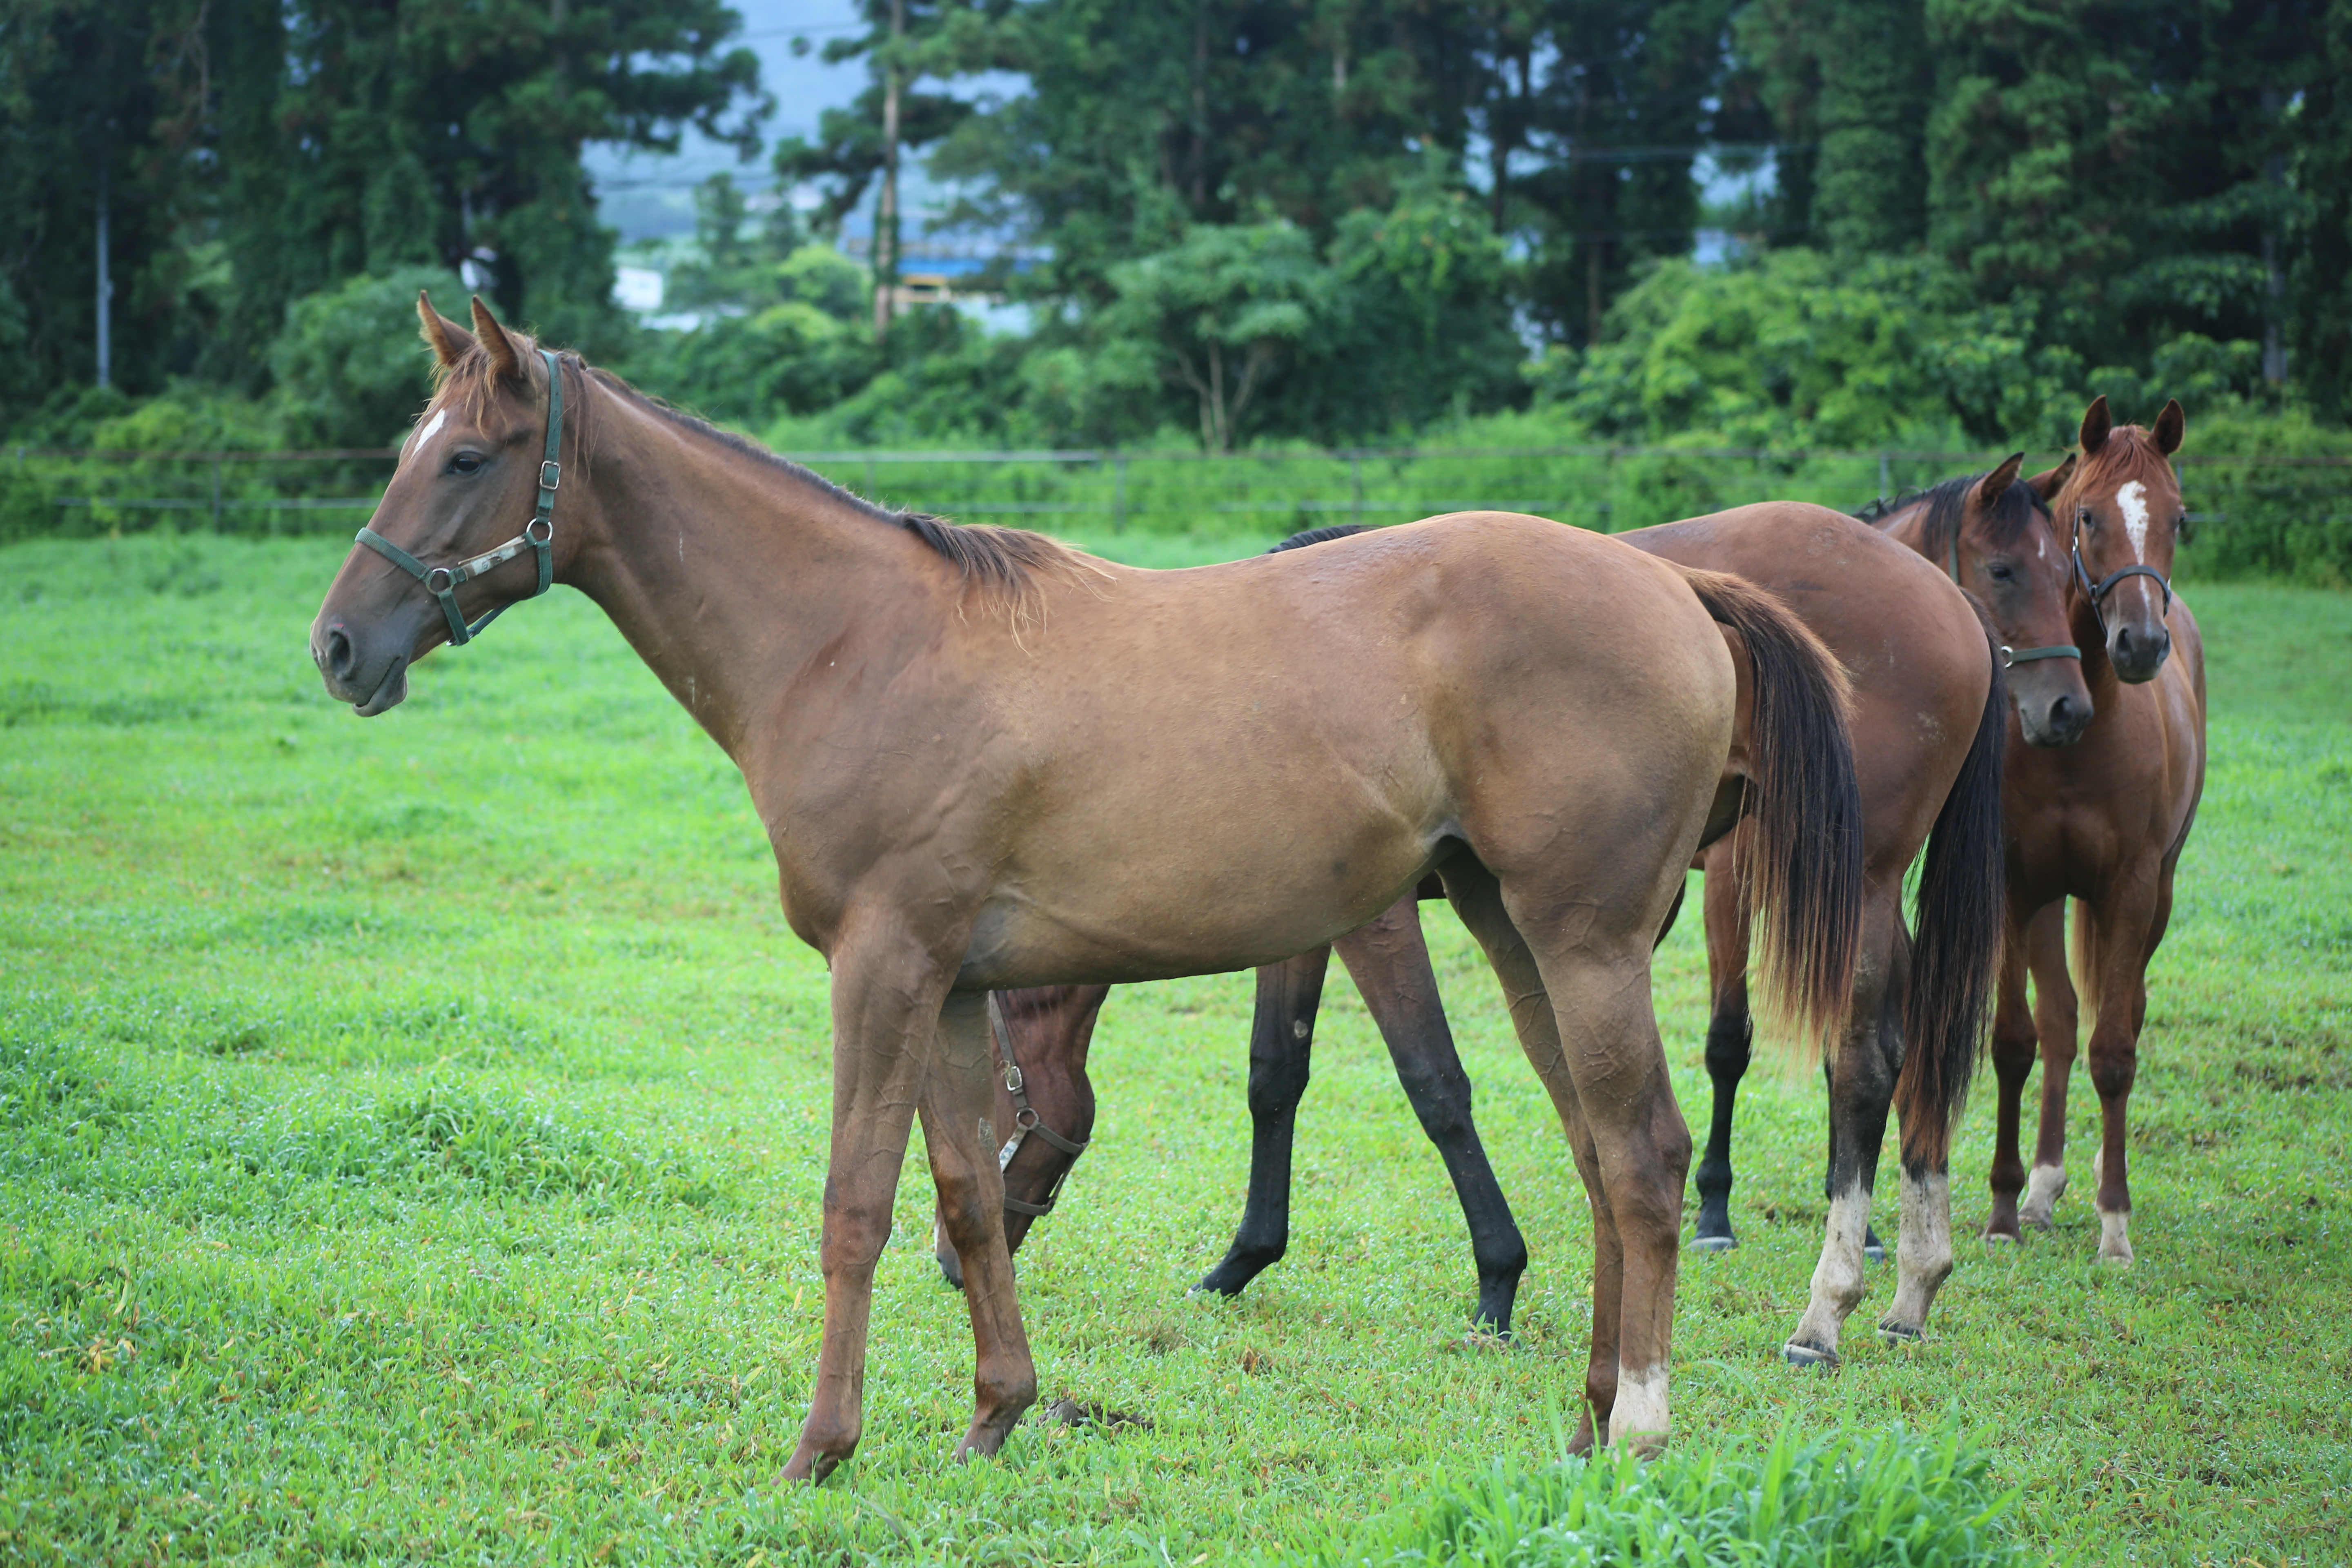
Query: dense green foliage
x=1234, y=222
x=250, y=152
x=412, y=1139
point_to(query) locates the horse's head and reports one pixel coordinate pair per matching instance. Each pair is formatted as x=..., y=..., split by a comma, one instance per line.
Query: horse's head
x=462, y=529
x=1999, y=545
x=2122, y=508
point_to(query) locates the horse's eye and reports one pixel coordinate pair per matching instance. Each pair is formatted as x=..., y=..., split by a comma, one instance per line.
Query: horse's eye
x=2001, y=573
x=464, y=463
x=2084, y=518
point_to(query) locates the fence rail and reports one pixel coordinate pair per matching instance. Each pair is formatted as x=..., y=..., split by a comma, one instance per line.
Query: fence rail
x=2283, y=512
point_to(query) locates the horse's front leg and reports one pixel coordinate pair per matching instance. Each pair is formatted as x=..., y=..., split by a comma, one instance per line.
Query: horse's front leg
x=2118, y=945
x=1282, y=1042
x=1389, y=961
x=886, y=995
x=960, y=1133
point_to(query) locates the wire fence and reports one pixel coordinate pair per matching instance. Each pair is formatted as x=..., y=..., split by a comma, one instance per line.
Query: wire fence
x=2249, y=514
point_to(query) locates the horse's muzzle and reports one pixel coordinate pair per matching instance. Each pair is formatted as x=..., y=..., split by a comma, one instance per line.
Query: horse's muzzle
x=2138, y=653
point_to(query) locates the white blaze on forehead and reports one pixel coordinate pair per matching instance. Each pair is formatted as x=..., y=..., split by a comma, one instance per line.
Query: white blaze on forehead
x=416, y=442
x=2133, y=500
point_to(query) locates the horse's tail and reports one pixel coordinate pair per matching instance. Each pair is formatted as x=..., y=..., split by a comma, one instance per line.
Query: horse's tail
x=1799, y=867
x=1956, y=948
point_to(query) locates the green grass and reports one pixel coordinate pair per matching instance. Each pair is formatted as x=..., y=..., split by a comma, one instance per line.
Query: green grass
x=414, y=1131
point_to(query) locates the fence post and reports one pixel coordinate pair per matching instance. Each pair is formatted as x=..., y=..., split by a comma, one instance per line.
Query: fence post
x=1118, y=501
x=216, y=501
x=1355, y=479
x=1882, y=476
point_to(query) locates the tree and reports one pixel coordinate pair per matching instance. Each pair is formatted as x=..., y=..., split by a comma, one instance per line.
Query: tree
x=1848, y=84
x=1219, y=313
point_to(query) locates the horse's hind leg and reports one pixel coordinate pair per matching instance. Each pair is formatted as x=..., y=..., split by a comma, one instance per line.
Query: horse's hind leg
x=1730, y=1035
x=1627, y=1135
x=1282, y=1041
x=2054, y=1021
x=1862, y=1086
x=959, y=1106
x=1389, y=961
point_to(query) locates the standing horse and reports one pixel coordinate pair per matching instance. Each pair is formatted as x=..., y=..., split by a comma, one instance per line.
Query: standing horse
x=985, y=761
x=1930, y=718
x=2102, y=822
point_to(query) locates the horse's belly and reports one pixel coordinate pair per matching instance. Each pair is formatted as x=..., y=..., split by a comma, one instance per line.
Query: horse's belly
x=1227, y=901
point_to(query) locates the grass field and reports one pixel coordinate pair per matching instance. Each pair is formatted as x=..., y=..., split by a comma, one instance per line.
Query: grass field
x=414, y=1133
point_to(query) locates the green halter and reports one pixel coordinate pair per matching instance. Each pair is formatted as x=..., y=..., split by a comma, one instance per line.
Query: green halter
x=2011, y=657
x=538, y=534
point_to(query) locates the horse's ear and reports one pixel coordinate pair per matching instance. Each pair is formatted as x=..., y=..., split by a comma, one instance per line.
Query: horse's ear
x=2170, y=427
x=1996, y=484
x=2048, y=483
x=450, y=340
x=2096, y=423
x=504, y=360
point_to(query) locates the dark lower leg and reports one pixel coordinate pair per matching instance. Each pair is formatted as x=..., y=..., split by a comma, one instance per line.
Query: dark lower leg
x=1282, y=1039
x=1730, y=1045
x=1389, y=964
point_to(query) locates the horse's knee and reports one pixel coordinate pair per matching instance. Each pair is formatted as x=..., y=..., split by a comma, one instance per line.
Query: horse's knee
x=854, y=1238
x=2115, y=1063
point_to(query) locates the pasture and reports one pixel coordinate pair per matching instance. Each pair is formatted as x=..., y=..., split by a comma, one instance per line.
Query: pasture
x=415, y=1131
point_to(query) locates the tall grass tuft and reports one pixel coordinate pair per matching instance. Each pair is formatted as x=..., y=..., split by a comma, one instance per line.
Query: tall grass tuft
x=1897, y=1498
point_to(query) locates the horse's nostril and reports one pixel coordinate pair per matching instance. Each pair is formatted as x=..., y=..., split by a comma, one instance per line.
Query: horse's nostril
x=338, y=659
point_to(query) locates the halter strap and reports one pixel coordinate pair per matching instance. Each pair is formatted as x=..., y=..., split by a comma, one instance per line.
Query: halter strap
x=2107, y=584
x=537, y=535
x=2011, y=657
x=1026, y=1120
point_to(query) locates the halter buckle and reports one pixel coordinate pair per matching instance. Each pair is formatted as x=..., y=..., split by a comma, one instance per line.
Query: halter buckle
x=1013, y=1080
x=551, y=473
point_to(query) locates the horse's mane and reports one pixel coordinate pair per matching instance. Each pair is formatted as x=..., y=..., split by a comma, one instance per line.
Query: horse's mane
x=1008, y=564
x=1306, y=536
x=1947, y=508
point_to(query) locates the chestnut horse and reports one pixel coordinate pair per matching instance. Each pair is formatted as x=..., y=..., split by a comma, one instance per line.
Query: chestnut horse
x=985, y=761
x=1929, y=719
x=2102, y=822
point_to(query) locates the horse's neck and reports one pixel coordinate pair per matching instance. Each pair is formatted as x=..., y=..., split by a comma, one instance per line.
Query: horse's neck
x=1907, y=526
x=728, y=574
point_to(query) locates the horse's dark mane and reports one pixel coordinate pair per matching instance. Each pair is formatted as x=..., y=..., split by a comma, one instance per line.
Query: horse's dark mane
x=1306, y=536
x=1947, y=508
x=1001, y=561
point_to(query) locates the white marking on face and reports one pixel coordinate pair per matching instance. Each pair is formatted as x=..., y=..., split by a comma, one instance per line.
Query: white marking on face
x=417, y=443
x=2042, y=550
x=2133, y=500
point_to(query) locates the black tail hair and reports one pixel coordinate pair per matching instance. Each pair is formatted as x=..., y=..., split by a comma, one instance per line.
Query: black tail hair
x=1956, y=946
x=1801, y=864
x=1306, y=536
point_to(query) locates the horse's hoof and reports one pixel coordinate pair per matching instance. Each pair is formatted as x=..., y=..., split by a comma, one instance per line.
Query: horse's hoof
x=1820, y=1356
x=2003, y=1238
x=1900, y=1333
x=1723, y=1242
x=1482, y=1338
x=1876, y=1253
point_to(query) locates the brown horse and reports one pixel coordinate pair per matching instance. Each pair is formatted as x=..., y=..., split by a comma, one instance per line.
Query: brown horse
x=1930, y=718
x=985, y=761
x=2102, y=822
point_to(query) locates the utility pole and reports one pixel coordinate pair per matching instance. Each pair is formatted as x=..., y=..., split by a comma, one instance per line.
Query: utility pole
x=885, y=206
x=105, y=285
